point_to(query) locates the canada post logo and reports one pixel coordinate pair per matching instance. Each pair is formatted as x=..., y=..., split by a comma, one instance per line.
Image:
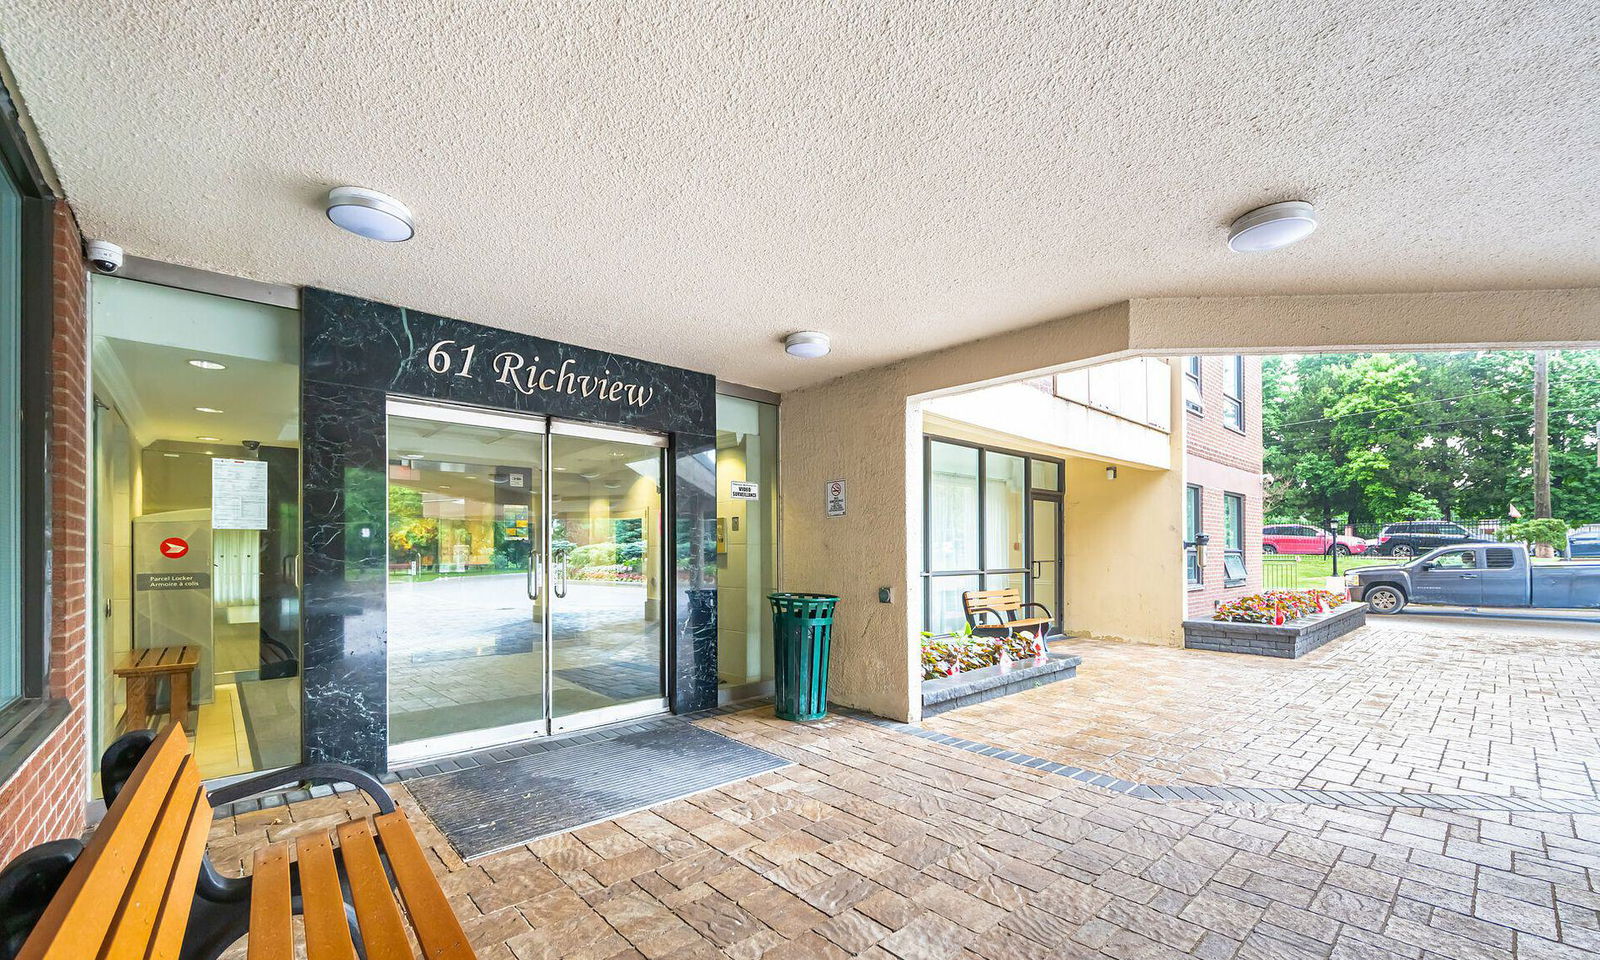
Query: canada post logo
x=447, y=358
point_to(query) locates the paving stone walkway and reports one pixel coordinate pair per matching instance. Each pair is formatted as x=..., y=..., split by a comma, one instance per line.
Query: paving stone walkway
x=1385, y=709
x=882, y=843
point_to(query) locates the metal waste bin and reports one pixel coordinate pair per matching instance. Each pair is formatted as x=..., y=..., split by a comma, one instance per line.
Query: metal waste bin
x=802, y=633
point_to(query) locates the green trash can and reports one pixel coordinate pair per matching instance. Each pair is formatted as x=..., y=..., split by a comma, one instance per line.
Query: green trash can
x=802, y=632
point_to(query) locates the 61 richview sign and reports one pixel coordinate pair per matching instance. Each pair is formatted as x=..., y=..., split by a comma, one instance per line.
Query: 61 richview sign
x=448, y=358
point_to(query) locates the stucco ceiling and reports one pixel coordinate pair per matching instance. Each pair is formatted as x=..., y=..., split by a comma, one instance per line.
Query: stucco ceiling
x=690, y=182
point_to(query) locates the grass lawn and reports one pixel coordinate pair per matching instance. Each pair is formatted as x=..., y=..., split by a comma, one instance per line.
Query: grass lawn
x=1304, y=572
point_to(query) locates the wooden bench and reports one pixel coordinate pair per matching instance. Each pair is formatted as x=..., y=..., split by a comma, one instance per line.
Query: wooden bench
x=142, y=886
x=1004, y=606
x=142, y=668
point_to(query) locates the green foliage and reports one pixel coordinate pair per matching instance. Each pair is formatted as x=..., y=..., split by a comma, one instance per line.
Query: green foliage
x=411, y=535
x=1355, y=438
x=1548, y=530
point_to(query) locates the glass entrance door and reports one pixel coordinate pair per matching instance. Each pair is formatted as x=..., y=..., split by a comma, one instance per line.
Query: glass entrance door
x=525, y=592
x=1047, y=555
x=605, y=569
x=466, y=600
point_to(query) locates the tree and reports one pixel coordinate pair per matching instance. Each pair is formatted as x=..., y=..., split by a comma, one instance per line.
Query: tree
x=1381, y=438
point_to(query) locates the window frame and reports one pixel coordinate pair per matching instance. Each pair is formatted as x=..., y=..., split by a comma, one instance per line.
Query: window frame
x=1233, y=395
x=1194, y=524
x=1237, y=527
x=1192, y=376
x=982, y=572
x=29, y=716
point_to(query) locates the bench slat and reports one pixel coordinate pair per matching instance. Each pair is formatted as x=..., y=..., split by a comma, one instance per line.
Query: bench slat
x=179, y=897
x=271, y=910
x=438, y=930
x=327, y=932
x=143, y=901
x=80, y=915
x=383, y=930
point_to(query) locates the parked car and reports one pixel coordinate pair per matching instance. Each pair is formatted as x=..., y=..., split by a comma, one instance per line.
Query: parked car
x=1584, y=541
x=1476, y=576
x=1416, y=537
x=1302, y=538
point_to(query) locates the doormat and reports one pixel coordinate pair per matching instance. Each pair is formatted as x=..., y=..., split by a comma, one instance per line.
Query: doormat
x=483, y=810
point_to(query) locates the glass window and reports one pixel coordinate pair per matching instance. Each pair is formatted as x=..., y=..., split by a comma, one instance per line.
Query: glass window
x=945, y=612
x=980, y=493
x=1192, y=399
x=1046, y=475
x=1233, y=569
x=197, y=521
x=747, y=538
x=952, y=507
x=1191, y=530
x=1004, y=512
x=10, y=442
x=1233, y=395
x=1457, y=560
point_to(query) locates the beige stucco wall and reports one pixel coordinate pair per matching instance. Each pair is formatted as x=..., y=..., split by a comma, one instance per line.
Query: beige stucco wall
x=1123, y=551
x=864, y=428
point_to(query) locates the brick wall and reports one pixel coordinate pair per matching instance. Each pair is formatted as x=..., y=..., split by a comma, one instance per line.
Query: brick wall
x=1220, y=460
x=45, y=799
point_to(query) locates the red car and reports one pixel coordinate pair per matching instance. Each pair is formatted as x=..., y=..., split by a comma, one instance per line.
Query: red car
x=1301, y=538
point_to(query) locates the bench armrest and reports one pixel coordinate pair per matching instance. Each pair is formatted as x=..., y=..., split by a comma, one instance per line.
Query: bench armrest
x=1042, y=607
x=307, y=772
x=972, y=616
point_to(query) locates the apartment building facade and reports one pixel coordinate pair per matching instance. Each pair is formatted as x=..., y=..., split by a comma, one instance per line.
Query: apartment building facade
x=1222, y=465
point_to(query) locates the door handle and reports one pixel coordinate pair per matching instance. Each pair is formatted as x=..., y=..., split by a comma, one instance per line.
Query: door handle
x=1469, y=576
x=535, y=563
x=1037, y=570
x=560, y=588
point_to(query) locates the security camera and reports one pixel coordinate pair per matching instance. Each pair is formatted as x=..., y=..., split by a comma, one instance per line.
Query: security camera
x=104, y=255
x=251, y=444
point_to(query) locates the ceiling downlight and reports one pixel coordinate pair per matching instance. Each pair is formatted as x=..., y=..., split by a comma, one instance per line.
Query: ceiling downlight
x=1272, y=227
x=370, y=214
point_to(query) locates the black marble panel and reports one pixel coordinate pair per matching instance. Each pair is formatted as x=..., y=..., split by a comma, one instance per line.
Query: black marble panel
x=345, y=564
x=354, y=353
x=694, y=511
x=360, y=343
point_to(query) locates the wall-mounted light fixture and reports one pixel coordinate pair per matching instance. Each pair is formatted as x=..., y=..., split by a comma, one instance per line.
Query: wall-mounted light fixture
x=1111, y=473
x=1200, y=542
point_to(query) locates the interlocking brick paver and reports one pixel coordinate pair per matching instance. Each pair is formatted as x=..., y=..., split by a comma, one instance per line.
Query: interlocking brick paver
x=881, y=843
x=1384, y=709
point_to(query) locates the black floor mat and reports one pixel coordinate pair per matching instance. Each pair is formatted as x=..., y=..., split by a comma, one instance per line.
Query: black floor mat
x=501, y=805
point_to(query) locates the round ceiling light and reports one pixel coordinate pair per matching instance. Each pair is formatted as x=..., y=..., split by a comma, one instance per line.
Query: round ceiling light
x=370, y=214
x=807, y=343
x=208, y=365
x=1272, y=227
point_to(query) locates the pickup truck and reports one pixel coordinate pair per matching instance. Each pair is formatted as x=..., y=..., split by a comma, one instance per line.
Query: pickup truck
x=1478, y=575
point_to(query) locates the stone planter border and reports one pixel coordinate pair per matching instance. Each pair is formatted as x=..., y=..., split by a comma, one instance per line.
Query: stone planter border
x=1294, y=639
x=976, y=686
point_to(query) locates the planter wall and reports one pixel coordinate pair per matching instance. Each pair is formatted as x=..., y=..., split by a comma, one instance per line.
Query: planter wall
x=1294, y=639
x=976, y=686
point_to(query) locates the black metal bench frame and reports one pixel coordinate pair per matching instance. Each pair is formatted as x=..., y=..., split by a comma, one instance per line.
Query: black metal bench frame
x=220, y=914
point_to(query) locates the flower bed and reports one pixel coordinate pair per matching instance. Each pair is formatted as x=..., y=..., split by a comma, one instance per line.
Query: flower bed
x=1269, y=606
x=945, y=656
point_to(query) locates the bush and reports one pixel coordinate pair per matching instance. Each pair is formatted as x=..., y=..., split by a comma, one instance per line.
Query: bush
x=1547, y=530
x=1263, y=607
x=945, y=655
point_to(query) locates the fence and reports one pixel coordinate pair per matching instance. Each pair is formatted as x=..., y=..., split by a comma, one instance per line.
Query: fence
x=1280, y=573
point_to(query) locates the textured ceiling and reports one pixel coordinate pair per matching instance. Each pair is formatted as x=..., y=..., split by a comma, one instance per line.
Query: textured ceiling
x=691, y=182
